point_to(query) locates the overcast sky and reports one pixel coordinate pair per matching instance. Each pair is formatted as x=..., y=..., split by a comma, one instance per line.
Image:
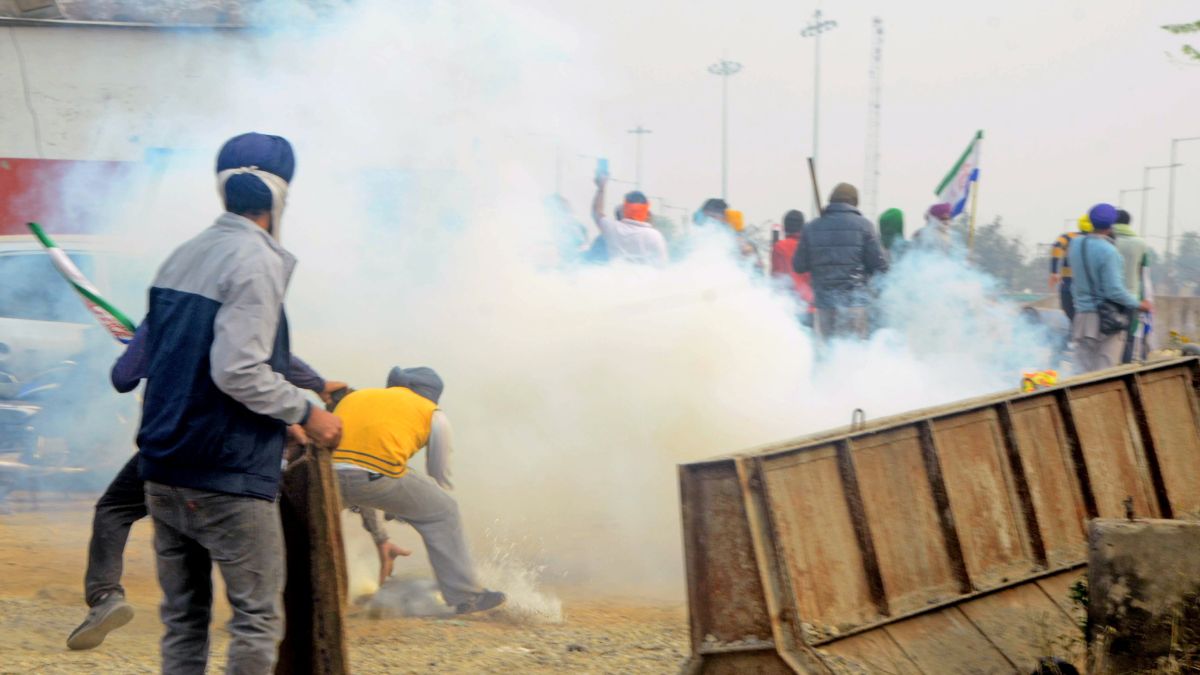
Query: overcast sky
x=1074, y=98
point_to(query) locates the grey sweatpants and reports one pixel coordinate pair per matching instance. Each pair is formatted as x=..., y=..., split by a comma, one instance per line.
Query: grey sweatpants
x=418, y=501
x=243, y=535
x=1093, y=349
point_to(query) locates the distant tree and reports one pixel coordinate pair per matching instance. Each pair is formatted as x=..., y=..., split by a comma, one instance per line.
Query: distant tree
x=999, y=255
x=1187, y=262
x=1184, y=29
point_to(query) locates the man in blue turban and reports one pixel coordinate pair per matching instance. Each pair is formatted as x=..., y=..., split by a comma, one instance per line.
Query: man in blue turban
x=215, y=413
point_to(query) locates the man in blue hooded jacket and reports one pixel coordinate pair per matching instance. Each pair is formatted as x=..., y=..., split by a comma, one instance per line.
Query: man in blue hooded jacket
x=1099, y=277
x=216, y=407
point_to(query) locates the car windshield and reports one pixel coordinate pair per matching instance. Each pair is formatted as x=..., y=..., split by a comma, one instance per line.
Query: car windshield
x=30, y=288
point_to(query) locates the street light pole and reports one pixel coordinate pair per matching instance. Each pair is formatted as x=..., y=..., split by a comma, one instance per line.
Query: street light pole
x=638, y=132
x=1171, y=191
x=814, y=30
x=1121, y=200
x=726, y=69
x=1146, y=188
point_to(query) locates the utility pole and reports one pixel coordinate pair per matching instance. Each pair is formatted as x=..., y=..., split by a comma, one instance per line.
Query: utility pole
x=814, y=30
x=1171, y=191
x=638, y=132
x=726, y=69
x=1121, y=199
x=874, y=111
x=1146, y=188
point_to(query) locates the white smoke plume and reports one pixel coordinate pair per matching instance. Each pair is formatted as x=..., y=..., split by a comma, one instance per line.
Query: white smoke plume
x=417, y=216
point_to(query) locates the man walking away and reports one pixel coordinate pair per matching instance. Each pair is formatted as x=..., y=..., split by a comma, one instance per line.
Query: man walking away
x=214, y=416
x=1099, y=293
x=712, y=212
x=631, y=237
x=891, y=233
x=937, y=234
x=384, y=428
x=842, y=252
x=1060, y=266
x=1135, y=254
x=782, y=254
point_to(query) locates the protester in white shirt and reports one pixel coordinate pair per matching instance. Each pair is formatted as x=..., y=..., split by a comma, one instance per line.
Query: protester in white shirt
x=631, y=238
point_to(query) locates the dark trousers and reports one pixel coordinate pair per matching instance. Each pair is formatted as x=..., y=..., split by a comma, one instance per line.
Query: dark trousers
x=121, y=505
x=1065, y=298
x=192, y=530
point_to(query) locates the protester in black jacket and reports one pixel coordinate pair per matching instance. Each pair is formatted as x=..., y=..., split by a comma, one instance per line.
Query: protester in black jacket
x=841, y=249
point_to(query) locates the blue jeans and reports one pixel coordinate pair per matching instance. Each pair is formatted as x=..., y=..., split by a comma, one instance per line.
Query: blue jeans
x=193, y=529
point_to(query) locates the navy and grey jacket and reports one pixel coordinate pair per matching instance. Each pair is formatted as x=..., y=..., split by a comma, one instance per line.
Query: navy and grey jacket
x=130, y=367
x=216, y=402
x=842, y=251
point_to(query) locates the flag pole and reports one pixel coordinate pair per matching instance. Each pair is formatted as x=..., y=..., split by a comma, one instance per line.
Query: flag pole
x=971, y=222
x=974, y=193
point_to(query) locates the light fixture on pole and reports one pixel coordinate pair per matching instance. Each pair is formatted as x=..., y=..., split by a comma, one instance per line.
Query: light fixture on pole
x=1171, y=191
x=726, y=69
x=814, y=30
x=1121, y=199
x=638, y=132
x=1146, y=188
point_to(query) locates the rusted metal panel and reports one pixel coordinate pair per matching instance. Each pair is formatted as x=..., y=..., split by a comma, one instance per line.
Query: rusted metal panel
x=940, y=541
x=1112, y=449
x=983, y=497
x=1025, y=624
x=747, y=663
x=1058, y=588
x=785, y=629
x=825, y=564
x=903, y=519
x=873, y=652
x=725, y=596
x=948, y=642
x=1170, y=405
x=1053, y=487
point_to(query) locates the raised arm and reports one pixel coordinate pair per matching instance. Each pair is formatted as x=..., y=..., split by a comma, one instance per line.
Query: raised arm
x=441, y=446
x=598, y=200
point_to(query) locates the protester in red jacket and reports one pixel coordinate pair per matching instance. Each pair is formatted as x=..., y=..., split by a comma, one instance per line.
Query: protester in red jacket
x=782, y=254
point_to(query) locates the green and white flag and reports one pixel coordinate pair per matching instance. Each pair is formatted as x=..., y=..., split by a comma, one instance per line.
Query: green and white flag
x=961, y=179
x=110, y=317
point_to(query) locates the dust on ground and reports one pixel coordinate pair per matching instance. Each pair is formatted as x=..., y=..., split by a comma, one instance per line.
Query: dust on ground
x=43, y=554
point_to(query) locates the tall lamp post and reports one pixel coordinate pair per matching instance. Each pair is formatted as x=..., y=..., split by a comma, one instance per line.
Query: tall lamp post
x=638, y=132
x=1171, y=191
x=1121, y=199
x=1146, y=188
x=814, y=30
x=726, y=69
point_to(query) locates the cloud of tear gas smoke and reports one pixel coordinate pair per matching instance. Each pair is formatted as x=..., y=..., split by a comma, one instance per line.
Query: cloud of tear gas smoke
x=417, y=217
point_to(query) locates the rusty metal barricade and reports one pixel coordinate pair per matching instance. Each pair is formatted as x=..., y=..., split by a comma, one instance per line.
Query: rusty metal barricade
x=939, y=541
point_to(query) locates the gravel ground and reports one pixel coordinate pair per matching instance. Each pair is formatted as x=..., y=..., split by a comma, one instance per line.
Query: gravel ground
x=42, y=556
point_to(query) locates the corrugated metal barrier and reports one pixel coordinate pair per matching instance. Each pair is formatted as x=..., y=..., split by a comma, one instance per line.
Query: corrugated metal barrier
x=942, y=541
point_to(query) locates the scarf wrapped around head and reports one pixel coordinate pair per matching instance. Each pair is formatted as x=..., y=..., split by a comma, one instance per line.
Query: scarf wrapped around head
x=941, y=211
x=253, y=172
x=421, y=380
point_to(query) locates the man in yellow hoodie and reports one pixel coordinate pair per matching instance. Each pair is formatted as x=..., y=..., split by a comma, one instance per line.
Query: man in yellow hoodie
x=382, y=430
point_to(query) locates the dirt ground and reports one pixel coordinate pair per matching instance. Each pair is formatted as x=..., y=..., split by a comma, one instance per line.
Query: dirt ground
x=42, y=558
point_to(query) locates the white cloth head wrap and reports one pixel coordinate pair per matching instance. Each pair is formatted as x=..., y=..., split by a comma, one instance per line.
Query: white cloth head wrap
x=278, y=187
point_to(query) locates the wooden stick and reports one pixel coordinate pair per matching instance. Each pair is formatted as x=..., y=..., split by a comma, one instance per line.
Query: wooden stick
x=812, y=172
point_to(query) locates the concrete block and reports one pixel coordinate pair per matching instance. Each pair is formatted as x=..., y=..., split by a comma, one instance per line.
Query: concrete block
x=1143, y=595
